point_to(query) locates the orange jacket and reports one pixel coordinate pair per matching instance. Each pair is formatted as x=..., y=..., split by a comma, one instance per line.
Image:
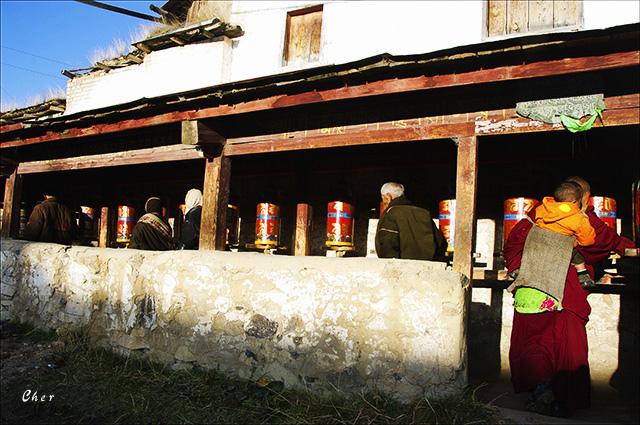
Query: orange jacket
x=565, y=218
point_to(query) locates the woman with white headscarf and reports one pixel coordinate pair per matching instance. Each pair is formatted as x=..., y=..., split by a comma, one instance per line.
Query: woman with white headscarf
x=190, y=236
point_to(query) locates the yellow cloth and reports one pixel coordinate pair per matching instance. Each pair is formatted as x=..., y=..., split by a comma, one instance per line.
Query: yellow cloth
x=566, y=219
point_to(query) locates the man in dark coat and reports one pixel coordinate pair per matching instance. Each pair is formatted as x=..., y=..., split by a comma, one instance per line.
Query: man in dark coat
x=406, y=231
x=152, y=232
x=51, y=221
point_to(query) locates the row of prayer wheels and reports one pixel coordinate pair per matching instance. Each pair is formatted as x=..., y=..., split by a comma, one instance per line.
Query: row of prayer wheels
x=127, y=219
x=340, y=222
x=515, y=209
x=339, y=225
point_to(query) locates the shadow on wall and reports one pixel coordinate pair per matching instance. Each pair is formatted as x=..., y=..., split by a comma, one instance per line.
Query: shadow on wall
x=489, y=330
x=484, y=330
x=625, y=378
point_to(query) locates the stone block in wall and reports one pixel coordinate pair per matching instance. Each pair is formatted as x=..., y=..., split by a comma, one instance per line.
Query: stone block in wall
x=371, y=237
x=485, y=241
x=311, y=322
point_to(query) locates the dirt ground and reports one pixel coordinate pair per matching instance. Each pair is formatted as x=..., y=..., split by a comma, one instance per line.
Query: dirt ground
x=32, y=356
x=27, y=355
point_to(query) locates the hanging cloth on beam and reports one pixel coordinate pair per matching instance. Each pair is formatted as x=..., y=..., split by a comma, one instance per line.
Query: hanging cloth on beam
x=574, y=125
x=566, y=110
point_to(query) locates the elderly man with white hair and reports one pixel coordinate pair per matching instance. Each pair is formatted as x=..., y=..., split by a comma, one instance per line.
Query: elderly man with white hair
x=406, y=231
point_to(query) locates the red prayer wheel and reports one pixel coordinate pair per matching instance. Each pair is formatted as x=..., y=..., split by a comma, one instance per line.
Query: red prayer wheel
x=447, y=220
x=605, y=209
x=233, y=225
x=339, y=225
x=267, y=224
x=515, y=209
x=87, y=220
x=125, y=223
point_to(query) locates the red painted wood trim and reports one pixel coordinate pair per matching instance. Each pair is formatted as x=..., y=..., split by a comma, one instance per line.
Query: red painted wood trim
x=512, y=72
x=623, y=110
x=140, y=156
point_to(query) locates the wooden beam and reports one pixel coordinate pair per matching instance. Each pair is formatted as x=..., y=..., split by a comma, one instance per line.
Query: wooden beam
x=622, y=110
x=139, y=156
x=11, y=127
x=11, y=206
x=200, y=135
x=466, y=184
x=516, y=124
x=357, y=135
x=142, y=46
x=207, y=34
x=302, y=243
x=179, y=41
x=134, y=58
x=382, y=87
x=197, y=133
x=103, y=232
x=103, y=66
x=213, y=227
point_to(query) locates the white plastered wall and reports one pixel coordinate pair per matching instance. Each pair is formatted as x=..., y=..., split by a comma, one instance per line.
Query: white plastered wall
x=609, y=13
x=351, y=30
x=163, y=72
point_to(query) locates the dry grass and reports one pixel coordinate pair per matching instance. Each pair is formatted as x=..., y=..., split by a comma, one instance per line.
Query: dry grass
x=117, y=48
x=56, y=92
x=200, y=10
x=95, y=386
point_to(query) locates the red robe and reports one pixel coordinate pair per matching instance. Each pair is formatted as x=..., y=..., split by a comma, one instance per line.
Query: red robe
x=552, y=346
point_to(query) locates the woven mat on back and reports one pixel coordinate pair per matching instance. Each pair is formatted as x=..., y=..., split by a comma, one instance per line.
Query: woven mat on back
x=545, y=262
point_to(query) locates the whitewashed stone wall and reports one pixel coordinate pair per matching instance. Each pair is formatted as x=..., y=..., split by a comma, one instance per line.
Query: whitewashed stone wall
x=354, y=323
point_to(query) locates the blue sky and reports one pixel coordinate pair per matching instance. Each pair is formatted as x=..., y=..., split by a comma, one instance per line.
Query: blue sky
x=40, y=38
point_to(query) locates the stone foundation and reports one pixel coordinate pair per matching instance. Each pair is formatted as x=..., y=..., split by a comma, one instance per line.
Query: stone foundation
x=353, y=323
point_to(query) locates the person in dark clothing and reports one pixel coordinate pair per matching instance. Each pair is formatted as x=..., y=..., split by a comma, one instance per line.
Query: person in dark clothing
x=51, y=221
x=190, y=236
x=406, y=231
x=152, y=232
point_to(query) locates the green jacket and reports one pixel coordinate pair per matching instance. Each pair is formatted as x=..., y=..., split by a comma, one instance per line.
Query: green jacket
x=406, y=231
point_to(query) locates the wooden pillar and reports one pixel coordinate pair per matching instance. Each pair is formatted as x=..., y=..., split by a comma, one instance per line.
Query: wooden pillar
x=11, y=208
x=302, y=243
x=466, y=184
x=103, y=232
x=213, y=227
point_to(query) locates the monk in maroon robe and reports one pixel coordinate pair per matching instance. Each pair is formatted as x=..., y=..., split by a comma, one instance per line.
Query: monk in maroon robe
x=551, y=347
